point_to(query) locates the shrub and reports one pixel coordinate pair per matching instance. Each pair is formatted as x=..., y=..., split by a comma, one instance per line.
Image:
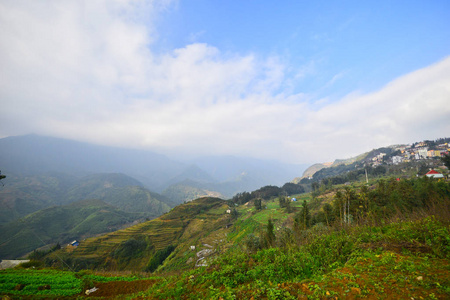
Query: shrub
x=159, y=258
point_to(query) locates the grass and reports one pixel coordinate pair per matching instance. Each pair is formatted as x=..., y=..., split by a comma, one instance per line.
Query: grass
x=348, y=264
x=400, y=260
x=400, y=256
x=39, y=282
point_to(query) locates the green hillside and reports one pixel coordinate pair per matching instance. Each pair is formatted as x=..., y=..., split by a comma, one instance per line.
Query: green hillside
x=61, y=224
x=23, y=195
x=185, y=225
x=388, y=240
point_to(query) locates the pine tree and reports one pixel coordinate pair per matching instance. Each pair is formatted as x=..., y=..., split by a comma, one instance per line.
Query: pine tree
x=305, y=216
x=258, y=205
x=270, y=234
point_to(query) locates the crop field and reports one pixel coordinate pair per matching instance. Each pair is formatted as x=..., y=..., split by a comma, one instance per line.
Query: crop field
x=39, y=282
x=57, y=283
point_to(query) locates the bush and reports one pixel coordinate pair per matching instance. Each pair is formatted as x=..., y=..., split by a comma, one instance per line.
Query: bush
x=159, y=258
x=129, y=249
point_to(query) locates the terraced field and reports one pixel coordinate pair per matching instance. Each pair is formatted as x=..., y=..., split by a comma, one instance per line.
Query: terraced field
x=182, y=227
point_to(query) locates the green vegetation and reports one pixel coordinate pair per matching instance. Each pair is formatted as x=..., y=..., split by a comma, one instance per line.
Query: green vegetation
x=24, y=195
x=39, y=282
x=159, y=257
x=389, y=240
x=47, y=283
x=351, y=262
x=61, y=224
x=140, y=247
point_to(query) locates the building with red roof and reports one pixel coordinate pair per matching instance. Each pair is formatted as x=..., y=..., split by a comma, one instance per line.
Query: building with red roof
x=434, y=174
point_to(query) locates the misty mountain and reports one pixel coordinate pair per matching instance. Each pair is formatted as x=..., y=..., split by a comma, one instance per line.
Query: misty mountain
x=122, y=191
x=231, y=168
x=188, y=190
x=22, y=195
x=62, y=224
x=191, y=173
x=33, y=155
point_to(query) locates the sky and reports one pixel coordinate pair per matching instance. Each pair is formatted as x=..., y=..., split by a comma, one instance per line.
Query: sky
x=294, y=81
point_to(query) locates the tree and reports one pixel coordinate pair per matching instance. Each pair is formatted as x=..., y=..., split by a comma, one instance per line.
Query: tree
x=234, y=213
x=363, y=198
x=303, y=218
x=328, y=212
x=2, y=176
x=349, y=197
x=292, y=188
x=258, y=205
x=446, y=160
x=270, y=234
x=339, y=204
x=287, y=205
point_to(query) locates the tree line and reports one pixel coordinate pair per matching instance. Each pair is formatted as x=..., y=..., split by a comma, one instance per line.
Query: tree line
x=268, y=192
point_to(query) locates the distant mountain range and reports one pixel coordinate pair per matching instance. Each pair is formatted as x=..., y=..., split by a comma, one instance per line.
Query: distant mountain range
x=57, y=189
x=22, y=195
x=224, y=175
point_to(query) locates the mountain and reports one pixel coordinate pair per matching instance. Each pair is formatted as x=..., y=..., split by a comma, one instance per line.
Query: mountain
x=121, y=191
x=263, y=172
x=22, y=195
x=61, y=224
x=34, y=155
x=188, y=190
x=401, y=160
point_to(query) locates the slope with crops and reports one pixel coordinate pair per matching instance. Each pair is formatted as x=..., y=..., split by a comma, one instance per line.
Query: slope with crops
x=145, y=246
x=388, y=240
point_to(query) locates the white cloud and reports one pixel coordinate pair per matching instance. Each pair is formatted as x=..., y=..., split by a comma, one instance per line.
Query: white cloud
x=88, y=72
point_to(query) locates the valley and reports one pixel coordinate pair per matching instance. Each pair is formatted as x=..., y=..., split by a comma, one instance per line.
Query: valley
x=343, y=235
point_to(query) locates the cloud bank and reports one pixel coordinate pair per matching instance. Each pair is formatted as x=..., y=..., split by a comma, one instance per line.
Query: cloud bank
x=90, y=71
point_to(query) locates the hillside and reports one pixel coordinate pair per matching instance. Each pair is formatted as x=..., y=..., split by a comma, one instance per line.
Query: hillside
x=22, y=195
x=61, y=224
x=351, y=241
x=195, y=223
x=188, y=190
x=396, y=160
x=348, y=238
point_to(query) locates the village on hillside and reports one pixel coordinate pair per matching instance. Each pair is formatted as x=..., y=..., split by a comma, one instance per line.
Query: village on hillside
x=418, y=151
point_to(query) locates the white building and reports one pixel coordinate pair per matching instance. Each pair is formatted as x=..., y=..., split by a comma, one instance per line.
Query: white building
x=397, y=159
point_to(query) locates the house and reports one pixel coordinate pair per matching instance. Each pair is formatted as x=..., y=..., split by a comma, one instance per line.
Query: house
x=192, y=247
x=434, y=174
x=397, y=159
x=228, y=211
x=293, y=199
x=75, y=243
x=423, y=153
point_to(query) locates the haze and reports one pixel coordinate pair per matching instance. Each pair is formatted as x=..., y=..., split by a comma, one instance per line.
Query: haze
x=294, y=81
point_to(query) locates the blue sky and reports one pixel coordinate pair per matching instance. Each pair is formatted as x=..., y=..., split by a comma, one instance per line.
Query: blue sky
x=297, y=81
x=345, y=45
